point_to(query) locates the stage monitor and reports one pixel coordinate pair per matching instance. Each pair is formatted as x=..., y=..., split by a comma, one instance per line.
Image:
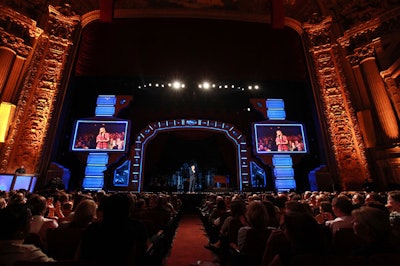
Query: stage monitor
x=6, y=182
x=22, y=182
x=279, y=137
x=100, y=135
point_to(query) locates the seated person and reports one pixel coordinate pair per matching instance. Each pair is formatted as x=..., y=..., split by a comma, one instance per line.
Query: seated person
x=14, y=225
x=40, y=223
x=372, y=225
x=116, y=239
x=342, y=207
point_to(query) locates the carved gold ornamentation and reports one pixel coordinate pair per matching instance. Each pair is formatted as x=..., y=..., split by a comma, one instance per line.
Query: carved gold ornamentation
x=37, y=99
x=346, y=140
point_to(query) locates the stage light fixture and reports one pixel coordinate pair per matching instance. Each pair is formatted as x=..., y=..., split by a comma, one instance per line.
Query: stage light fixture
x=206, y=85
x=177, y=85
x=250, y=87
x=256, y=87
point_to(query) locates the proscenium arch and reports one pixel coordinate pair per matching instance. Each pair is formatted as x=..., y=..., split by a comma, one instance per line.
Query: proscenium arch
x=151, y=131
x=94, y=15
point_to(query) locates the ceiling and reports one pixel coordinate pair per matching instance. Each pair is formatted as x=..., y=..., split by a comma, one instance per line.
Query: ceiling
x=190, y=49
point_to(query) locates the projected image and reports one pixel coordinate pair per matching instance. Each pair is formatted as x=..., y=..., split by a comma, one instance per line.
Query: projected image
x=101, y=136
x=279, y=138
x=121, y=174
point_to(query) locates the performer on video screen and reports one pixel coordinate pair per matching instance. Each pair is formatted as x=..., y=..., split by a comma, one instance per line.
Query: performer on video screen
x=102, y=139
x=281, y=141
x=193, y=177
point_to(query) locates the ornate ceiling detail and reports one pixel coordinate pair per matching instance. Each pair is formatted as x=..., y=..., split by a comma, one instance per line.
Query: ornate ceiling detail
x=366, y=32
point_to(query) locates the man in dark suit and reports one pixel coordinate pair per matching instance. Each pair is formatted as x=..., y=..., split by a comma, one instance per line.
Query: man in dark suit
x=193, y=177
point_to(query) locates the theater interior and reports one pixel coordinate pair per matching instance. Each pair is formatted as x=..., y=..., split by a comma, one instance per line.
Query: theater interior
x=333, y=66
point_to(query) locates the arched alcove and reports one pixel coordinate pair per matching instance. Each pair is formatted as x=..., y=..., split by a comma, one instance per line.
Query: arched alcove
x=138, y=155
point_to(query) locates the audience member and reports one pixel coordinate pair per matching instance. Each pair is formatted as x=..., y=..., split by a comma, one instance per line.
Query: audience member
x=230, y=228
x=303, y=235
x=3, y=203
x=252, y=238
x=372, y=225
x=325, y=212
x=342, y=207
x=117, y=239
x=84, y=214
x=358, y=200
x=39, y=223
x=14, y=226
x=393, y=205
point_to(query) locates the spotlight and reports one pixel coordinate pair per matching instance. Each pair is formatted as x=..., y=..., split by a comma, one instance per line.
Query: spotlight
x=256, y=87
x=176, y=85
x=206, y=85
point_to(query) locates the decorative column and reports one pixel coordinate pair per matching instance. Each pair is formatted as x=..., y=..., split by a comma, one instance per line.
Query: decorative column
x=346, y=143
x=365, y=58
x=392, y=89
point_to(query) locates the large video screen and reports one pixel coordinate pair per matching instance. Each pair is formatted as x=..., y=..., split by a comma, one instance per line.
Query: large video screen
x=279, y=137
x=100, y=135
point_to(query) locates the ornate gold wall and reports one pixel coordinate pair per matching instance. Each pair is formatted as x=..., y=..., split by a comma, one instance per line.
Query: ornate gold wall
x=352, y=49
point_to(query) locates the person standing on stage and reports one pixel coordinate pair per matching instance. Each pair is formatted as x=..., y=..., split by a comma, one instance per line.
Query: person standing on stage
x=193, y=177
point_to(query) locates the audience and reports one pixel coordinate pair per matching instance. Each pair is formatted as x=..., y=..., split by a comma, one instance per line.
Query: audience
x=262, y=228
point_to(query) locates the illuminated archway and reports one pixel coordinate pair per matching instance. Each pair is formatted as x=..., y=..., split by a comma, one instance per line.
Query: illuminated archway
x=151, y=131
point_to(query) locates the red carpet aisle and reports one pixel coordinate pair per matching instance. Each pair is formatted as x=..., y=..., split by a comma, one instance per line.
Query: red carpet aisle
x=188, y=244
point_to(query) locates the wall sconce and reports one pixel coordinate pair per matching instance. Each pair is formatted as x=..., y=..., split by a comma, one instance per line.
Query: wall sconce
x=6, y=114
